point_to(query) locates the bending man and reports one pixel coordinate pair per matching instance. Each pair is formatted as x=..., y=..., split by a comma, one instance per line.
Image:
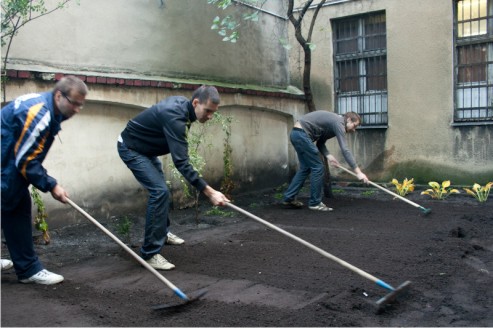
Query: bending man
x=161, y=130
x=29, y=126
x=308, y=138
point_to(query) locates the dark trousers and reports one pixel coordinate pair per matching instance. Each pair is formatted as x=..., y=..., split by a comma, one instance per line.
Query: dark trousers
x=310, y=165
x=17, y=226
x=148, y=171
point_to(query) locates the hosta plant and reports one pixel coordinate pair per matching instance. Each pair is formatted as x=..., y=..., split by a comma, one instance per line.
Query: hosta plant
x=480, y=193
x=405, y=187
x=440, y=191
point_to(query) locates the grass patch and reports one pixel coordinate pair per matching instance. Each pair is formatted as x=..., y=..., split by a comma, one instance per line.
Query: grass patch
x=216, y=211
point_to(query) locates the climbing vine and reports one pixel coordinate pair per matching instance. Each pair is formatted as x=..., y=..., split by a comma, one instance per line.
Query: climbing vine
x=41, y=215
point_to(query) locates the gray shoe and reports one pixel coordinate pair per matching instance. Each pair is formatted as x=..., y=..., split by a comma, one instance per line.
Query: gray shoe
x=43, y=277
x=158, y=262
x=321, y=207
x=172, y=239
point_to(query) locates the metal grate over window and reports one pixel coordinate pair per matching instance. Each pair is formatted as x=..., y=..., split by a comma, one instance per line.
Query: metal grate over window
x=360, y=67
x=473, y=61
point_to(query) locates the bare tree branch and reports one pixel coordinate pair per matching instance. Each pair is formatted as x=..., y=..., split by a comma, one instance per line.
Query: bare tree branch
x=16, y=16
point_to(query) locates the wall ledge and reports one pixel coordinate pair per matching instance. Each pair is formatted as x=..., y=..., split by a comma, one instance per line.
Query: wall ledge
x=139, y=82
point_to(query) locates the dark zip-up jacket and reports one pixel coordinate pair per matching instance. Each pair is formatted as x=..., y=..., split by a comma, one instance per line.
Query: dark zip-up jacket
x=161, y=130
x=29, y=126
x=321, y=126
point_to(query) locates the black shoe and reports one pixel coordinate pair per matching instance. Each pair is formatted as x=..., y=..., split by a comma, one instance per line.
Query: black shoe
x=293, y=204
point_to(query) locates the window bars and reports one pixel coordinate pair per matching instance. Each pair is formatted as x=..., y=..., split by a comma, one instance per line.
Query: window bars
x=473, y=34
x=360, y=67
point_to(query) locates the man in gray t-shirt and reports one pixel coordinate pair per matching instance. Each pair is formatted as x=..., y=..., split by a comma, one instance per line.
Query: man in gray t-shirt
x=308, y=138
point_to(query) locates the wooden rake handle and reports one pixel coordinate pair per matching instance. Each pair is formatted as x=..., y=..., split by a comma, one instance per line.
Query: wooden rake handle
x=313, y=247
x=146, y=265
x=385, y=189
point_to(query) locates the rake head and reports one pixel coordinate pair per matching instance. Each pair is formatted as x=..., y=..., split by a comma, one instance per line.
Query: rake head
x=425, y=211
x=192, y=297
x=390, y=297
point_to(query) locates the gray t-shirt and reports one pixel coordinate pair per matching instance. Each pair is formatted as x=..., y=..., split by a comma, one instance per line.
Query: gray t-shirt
x=321, y=126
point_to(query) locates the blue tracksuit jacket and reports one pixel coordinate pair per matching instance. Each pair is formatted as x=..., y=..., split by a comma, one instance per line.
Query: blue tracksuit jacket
x=29, y=126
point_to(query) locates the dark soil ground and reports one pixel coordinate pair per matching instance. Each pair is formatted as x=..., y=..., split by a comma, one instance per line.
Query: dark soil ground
x=256, y=276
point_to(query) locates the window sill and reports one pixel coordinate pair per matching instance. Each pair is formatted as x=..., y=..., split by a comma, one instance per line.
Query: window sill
x=459, y=124
x=372, y=127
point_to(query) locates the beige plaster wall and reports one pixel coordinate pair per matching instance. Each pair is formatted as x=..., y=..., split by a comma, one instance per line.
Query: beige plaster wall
x=85, y=161
x=420, y=141
x=139, y=36
x=139, y=39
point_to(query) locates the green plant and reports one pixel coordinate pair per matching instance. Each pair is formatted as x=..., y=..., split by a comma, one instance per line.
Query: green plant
x=439, y=191
x=281, y=188
x=216, y=211
x=368, y=192
x=227, y=185
x=227, y=27
x=278, y=195
x=480, y=193
x=338, y=191
x=124, y=227
x=40, y=219
x=405, y=187
x=197, y=140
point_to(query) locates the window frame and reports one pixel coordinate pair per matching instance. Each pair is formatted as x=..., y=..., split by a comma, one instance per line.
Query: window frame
x=352, y=48
x=476, y=76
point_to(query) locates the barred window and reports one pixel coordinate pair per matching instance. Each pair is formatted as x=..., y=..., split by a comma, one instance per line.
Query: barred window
x=360, y=67
x=473, y=61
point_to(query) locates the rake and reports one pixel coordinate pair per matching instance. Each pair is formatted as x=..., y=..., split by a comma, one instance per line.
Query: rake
x=186, y=299
x=424, y=210
x=381, y=303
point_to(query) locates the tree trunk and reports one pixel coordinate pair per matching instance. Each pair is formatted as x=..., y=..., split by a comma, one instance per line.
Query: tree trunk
x=327, y=178
x=307, y=86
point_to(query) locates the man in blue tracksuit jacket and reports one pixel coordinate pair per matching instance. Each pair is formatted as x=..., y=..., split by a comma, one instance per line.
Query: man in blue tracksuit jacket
x=29, y=126
x=160, y=130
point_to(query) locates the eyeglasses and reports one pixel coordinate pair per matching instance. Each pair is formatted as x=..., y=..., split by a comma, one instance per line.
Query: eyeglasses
x=73, y=102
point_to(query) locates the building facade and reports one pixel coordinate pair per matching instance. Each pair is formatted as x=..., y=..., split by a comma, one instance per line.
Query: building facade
x=416, y=71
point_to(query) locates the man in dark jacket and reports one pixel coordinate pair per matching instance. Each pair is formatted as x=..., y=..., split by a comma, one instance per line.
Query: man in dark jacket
x=308, y=137
x=29, y=126
x=161, y=130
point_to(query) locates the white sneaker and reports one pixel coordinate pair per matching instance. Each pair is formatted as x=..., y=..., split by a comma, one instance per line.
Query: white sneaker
x=6, y=264
x=174, y=239
x=321, y=207
x=43, y=277
x=158, y=262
